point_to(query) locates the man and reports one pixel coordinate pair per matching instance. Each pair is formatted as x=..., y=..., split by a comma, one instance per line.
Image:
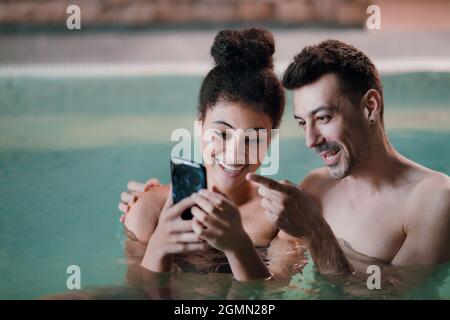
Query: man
x=381, y=204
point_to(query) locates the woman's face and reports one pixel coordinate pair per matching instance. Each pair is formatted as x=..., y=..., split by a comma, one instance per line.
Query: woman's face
x=233, y=143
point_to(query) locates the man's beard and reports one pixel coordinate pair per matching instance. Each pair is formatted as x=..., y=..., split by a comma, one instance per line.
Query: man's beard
x=346, y=163
x=343, y=167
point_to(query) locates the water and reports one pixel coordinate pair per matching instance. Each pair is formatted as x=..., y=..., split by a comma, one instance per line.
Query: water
x=68, y=146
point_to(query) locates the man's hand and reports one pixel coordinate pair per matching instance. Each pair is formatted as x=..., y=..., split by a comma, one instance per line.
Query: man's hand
x=135, y=189
x=293, y=211
x=288, y=207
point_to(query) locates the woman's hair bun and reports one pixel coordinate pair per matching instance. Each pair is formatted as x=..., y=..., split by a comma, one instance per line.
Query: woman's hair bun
x=251, y=48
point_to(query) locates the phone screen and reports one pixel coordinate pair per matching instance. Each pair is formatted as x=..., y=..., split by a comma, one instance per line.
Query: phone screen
x=187, y=177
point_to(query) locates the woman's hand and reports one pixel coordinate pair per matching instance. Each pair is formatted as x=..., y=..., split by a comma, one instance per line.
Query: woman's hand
x=217, y=221
x=172, y=235
x=135, y=189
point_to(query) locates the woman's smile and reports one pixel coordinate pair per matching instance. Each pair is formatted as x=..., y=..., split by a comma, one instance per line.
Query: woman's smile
x=232, y=171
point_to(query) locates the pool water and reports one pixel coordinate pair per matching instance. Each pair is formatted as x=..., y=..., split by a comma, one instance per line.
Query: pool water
x=68, y=146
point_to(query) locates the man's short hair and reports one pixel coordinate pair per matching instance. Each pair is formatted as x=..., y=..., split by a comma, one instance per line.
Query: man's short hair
x=357, y=73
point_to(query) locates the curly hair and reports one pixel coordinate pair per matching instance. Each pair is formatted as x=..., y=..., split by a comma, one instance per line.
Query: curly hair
x=243, y=73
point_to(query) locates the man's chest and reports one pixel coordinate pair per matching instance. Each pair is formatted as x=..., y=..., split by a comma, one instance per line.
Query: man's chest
x=372, y=226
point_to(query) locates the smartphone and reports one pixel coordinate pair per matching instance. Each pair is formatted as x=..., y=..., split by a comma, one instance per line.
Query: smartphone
x=187, y=177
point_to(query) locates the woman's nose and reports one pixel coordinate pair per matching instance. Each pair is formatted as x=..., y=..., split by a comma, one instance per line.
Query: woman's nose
x=235, y=149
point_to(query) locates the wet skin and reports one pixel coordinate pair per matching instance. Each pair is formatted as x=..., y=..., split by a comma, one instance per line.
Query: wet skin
x=382, y=204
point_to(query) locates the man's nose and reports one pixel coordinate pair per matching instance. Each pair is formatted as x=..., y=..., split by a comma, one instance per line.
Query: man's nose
x=313, y=137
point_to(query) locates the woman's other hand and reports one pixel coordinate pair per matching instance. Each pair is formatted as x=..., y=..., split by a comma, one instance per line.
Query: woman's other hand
x=218, y=221
x=172, y=235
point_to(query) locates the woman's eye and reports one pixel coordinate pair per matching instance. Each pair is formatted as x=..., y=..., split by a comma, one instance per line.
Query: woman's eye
x=223, y=134
x=323, y=119
x=251, y=141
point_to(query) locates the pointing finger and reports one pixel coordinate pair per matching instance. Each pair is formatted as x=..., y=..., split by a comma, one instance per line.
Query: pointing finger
x=269, y=193
x=264, y=181
x=288, y=183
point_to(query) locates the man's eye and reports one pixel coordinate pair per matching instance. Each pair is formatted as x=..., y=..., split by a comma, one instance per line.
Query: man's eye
x=323, y=119
x=302, y=124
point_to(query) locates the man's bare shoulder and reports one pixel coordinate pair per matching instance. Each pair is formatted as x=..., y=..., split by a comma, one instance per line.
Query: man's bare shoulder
x=144, y=214
x=318, y=181
x=433, y=186
x=427, y=221
x=431, y=198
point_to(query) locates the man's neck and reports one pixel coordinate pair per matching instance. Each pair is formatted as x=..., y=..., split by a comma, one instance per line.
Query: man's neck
x=382, y=168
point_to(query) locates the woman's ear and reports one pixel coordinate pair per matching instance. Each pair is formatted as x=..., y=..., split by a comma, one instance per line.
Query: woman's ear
x=371, y=102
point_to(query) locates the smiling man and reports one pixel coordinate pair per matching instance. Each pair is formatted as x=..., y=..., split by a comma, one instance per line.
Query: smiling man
x=381, y=204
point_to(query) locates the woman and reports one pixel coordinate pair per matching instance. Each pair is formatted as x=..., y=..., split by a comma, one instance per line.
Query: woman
x=240, y=92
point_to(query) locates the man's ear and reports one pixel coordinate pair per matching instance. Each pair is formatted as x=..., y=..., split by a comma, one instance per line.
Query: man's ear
x=371, y=102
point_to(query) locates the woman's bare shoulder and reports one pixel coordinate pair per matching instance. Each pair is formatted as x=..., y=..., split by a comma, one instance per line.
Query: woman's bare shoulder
x=258, y=226
x=155, y=196
x=143, y=216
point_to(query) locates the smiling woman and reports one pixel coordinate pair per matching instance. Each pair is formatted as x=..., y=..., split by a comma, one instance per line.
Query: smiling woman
x=241, y=93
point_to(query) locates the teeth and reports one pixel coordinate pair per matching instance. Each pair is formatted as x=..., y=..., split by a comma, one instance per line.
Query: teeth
x=331, y=154
x=231, y=169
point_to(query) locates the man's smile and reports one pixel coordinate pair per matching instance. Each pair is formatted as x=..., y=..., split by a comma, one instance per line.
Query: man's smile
x=331, y=157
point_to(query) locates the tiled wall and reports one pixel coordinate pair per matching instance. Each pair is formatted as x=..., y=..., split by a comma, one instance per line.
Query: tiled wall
x=138, y=12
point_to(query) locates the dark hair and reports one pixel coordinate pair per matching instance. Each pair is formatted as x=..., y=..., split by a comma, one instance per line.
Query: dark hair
x=356, y=72
x=243, y=73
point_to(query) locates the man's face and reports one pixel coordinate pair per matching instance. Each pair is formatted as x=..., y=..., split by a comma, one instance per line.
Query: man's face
x=334, y=127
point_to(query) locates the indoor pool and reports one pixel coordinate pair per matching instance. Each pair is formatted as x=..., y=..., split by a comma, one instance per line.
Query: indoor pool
x=69, y=145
